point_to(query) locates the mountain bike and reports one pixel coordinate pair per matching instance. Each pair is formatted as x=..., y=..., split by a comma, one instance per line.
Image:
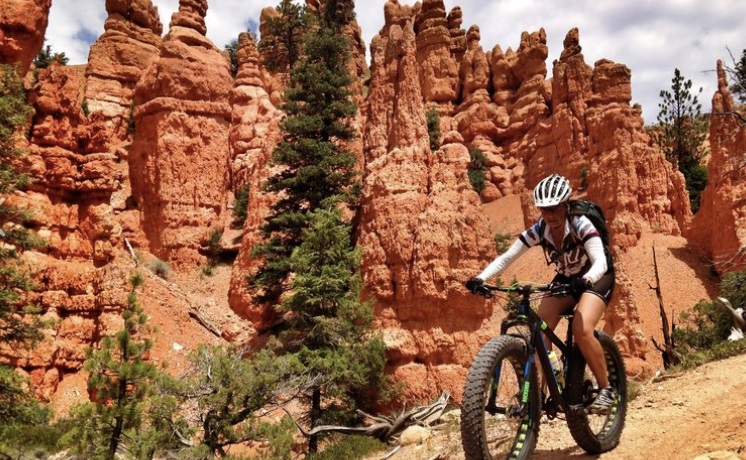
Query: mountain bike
x=503, y=402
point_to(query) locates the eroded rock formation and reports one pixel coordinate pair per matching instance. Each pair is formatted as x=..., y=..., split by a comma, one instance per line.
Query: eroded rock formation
x=254, y=134
x=419, y=227
x=179, y=160
x=75, y=173
x=22, y=27
x=723, y=201
x=130, y=43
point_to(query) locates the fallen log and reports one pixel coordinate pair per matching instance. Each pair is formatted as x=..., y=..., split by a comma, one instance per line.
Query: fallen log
x=385, y=428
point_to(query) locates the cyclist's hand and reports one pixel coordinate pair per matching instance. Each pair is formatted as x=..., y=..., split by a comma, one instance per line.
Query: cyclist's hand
x=579, y=285
x=474, y=285
x=560, y=289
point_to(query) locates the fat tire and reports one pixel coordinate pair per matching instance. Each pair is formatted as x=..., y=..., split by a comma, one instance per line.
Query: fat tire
x=510, y=351
x=607, y=437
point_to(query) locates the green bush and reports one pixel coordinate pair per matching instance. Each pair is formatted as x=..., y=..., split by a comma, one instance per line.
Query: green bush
x=213, y=243
x=349, y=447
x=704, y=332
x=696, y=181
x=502, y=241
x=240, y=206
x=584, y=178
x=39, y=440
x=160, y=268
x=477, y=168
x=433, y=129
x=46, y=57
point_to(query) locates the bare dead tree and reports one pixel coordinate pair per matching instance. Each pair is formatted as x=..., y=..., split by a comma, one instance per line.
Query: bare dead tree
x=386, y=428
x=668, y=351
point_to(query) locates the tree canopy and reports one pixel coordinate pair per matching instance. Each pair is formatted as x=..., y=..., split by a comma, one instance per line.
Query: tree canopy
x=681, y=133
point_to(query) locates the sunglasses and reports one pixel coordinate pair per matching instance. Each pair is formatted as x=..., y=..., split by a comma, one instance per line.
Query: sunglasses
x=551, y=209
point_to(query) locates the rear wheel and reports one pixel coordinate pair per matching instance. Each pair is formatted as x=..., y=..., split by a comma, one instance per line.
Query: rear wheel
x=494, y=422
x=596, y=433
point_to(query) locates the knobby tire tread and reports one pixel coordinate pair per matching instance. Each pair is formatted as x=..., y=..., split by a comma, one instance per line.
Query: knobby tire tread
x=475, y=388
x=608, y=438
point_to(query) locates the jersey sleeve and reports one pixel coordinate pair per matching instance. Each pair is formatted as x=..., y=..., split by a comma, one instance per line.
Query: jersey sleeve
x=584, y=229
x=532, y=236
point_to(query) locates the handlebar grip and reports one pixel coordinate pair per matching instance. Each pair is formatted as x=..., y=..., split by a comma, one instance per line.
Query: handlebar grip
x=485, y=292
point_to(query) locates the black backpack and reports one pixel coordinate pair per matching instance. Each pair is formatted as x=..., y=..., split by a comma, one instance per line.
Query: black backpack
x=595, y=214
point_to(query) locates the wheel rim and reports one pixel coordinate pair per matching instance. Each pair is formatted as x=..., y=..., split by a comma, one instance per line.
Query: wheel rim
x=504, y=432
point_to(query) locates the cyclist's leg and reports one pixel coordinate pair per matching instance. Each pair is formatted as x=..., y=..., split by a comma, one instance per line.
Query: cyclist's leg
x=550, y=310
x=589, y=311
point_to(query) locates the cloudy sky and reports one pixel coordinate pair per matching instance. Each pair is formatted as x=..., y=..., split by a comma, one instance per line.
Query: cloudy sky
x=651, y=37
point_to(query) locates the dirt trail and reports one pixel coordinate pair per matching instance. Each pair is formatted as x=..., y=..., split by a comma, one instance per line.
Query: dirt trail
x=698, y=412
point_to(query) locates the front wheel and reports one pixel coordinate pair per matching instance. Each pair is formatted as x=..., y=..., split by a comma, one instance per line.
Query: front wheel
x=596, y=433
x=500, y=411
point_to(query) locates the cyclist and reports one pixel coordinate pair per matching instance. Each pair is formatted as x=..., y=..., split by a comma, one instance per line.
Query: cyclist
x=574, y=245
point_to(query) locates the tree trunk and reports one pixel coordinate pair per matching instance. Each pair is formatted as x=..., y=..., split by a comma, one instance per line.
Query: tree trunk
x=670, y=356
x=116, y=435
x=313, y=441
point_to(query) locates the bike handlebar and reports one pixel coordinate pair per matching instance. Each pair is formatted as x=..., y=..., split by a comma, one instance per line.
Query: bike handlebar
x=487, y=290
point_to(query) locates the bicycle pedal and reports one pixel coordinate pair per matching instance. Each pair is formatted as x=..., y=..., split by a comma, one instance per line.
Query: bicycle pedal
x=577, y=409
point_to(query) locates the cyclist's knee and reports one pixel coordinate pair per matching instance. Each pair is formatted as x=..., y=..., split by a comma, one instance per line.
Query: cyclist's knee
x=584, y=333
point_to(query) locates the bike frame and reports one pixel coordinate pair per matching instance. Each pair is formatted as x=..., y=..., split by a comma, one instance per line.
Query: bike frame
x=535, y=347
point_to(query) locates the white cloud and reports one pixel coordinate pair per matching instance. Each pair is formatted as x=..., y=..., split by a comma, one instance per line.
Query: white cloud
x=652, y=38
x=70, y=22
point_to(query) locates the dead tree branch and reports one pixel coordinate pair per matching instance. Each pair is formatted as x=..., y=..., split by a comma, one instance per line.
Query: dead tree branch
x=200, y=319
x=670, y=356
x=387, y=428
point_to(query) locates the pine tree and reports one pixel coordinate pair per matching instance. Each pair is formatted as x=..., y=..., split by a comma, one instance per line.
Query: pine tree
x=316, y=171
x=282, y=40
x=327, y=326
x=20, y=324
x=330, y=329
x=224, y=392
x=120, y=381
x=738, y=77
x=46, y=57
x=681, y=132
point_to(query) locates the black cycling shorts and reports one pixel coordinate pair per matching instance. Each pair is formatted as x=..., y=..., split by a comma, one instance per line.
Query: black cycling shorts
x=603, y=288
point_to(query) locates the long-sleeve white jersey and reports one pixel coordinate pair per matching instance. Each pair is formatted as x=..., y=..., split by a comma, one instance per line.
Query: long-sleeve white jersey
x=582, y=251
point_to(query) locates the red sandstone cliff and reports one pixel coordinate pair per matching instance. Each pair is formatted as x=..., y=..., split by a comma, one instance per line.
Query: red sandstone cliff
x=719, y=228
x=130, y=43
x=200, y=135
x=22, y=27
x=254, y=133
x=179, y=159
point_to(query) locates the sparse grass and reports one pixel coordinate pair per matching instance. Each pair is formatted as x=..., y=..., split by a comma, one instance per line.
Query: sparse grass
x=160, y=268
x=634, y=389
x=717, y=352
x=502, y=241
x=349, y=447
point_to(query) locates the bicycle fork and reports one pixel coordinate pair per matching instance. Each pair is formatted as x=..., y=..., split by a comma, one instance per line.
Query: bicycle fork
x=518, y=410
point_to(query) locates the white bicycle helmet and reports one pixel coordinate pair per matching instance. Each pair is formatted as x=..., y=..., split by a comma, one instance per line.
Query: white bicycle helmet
x=551, y=191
